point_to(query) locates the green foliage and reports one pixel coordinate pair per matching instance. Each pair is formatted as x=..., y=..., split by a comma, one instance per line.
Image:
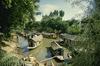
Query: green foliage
x=74, y=29
x=61, y=13
x=56, y=14
x=32, y=25
x=16, y=13
x=10, y=60
x=91, y=47
x=54, y=24
x=1, y=53
x=91, y=55
x=84, y=59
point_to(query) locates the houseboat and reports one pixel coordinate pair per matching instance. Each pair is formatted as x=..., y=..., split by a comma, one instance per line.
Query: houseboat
x=49, y=35
x=57, y=50
x=72, y=41
x=35, y=40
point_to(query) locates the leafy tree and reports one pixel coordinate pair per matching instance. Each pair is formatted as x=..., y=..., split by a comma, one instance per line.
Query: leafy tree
x=51, y=14
x=53, y=24
x=91, y=53
x=74, y=29
x=61, y=13
x=55, y=12
x=15, y=14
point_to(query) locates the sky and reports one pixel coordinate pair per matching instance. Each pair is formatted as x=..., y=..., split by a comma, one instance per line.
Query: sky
x=46, y=6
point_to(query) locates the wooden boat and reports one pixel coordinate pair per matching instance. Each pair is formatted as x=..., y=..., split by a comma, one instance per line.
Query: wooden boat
x=35, y=41
x=57, y=50
x=49, y=35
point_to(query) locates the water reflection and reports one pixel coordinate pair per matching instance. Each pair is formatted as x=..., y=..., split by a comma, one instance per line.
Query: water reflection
x=42, y=52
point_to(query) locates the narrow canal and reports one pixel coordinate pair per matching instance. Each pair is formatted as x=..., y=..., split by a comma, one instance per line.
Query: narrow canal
x=42, y=52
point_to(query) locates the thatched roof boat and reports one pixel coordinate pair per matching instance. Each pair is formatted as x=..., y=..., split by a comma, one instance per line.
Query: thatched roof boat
x=49, y=35
x=57, y=50
x=35, y=40
x=55, y=45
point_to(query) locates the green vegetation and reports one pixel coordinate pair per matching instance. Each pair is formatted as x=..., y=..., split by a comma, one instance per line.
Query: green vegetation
x=10, y=60
x=54, y=23
x=91, y=49
x=14, y=15
x=18, y=15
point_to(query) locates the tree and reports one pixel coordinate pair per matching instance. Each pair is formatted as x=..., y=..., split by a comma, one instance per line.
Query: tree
x=54, y=23
x=61, y=13
x=91, y=56
x=15, y=14
x=57, y=14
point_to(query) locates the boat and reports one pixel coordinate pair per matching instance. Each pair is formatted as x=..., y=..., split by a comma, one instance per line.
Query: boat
x=35, y=41
x=57, y=50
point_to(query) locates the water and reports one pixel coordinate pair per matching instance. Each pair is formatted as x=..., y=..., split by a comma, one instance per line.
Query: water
x=22, y=42
x=42, y=52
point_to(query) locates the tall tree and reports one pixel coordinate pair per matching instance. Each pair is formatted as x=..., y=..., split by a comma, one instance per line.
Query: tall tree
x=57, y=14
x=91, y=52
x=61, y=13
x=16, y=13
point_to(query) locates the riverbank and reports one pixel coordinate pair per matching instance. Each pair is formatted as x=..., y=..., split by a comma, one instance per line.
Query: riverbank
x=42, y=52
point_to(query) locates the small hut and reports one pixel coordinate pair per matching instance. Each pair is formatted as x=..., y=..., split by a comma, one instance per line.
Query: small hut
x=57, y=50
x=55, y=45
x=35, y=40
x=71, y=40
x=49, y=35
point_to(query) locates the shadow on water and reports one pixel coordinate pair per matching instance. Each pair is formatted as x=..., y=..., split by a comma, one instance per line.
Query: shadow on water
x=48, y=52
x=49, y=55
x=42, y=52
